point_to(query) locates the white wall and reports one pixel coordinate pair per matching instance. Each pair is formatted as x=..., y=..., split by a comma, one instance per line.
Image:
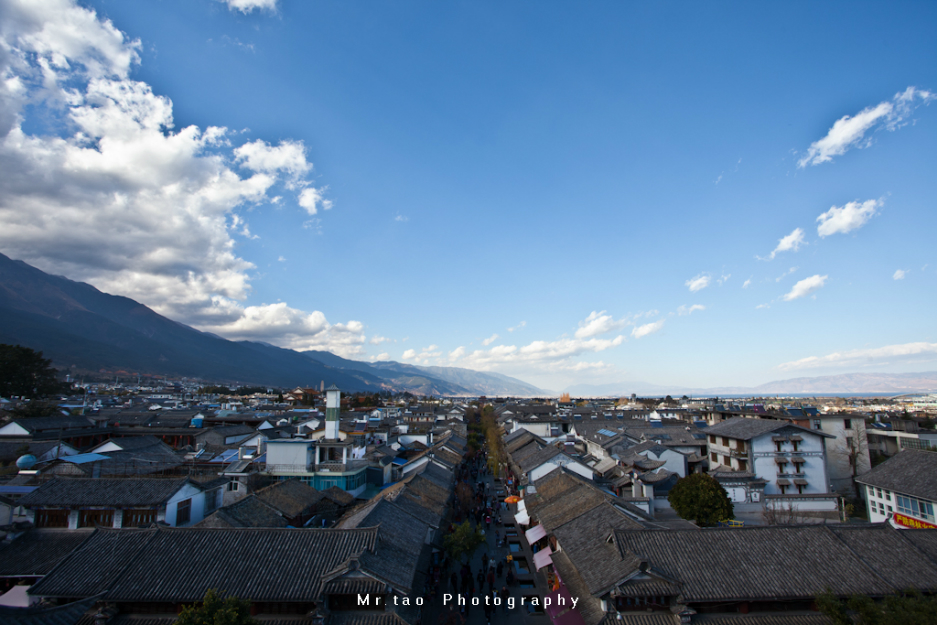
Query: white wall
x=288, y=452
x=197, y=509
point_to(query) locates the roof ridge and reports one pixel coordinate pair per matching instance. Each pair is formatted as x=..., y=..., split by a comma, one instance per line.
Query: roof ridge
x=829, y=530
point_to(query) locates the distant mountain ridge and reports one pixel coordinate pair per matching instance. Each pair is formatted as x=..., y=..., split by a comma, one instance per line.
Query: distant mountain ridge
x=83, y=329
x=897, y=383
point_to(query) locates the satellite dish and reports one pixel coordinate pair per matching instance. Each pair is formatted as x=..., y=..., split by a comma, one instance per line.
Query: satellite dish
x=27, y=462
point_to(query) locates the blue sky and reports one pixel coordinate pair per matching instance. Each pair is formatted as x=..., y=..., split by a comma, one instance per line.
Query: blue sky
x=691, y=194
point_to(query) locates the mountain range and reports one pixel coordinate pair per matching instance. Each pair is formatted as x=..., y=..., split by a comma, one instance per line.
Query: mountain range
x=847, y=383
x=85, y=331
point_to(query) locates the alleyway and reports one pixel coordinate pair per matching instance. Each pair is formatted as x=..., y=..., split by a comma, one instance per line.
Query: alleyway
x=525, y=585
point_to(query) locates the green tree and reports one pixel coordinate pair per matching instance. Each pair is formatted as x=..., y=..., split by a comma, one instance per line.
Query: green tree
x=901, y=609
x=701, y=499
x=217, y=611
x=25, y=373
x=463, y=542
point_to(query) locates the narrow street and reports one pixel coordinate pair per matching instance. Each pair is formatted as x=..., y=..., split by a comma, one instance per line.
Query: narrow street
x=501, y=539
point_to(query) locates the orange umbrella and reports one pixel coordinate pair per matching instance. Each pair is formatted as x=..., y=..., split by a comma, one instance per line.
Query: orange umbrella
x=512, y=499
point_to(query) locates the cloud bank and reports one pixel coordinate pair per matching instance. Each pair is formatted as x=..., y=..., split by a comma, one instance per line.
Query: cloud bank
x=112, y=193
x=858, y=357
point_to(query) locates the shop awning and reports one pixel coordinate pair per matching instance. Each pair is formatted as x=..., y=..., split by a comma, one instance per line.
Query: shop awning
x=522, y=518
x=542, y=558
x=535, y=534
x=521, y=506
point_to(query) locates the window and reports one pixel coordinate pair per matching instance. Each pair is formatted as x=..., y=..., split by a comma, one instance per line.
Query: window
x=816, y=424
x=794, y=445
x=888, y=496
x=889, y=508
x=726, y=461
x=778, y=445
x=783, y=489
x=51, y=518
x=713, y=457
x=233, y=487
x=782, y=468
x=138, y=518
x=726, y=441
x=713, y=439
x=742, y=465
x=800, y=488
x=916, y=507
x=183, y=511
x=90, y=518
x=847, y=424
x=879, y=493
x=871, y=490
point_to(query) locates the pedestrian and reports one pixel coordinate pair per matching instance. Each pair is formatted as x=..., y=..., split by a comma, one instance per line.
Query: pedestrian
x=481, y=578
x=491, y=580
x=504, y=595
x=498, y=571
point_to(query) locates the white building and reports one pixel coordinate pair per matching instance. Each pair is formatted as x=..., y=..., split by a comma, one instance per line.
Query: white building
x=789, y=459
x=901, y=491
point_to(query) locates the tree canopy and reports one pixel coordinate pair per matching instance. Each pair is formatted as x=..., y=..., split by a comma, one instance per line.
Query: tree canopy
x=701, y=499
x=463, y=542
x=25, y=373
x=217, y=611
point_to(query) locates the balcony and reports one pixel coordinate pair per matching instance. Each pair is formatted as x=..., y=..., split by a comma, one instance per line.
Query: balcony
x=739, y=453
x=282, y=469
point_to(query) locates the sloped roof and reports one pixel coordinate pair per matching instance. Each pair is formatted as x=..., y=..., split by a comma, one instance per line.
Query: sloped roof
x=290, y=497
x=746, y=429
x=911, y=472
x=846, y=559
x=534, y=460
x=37, y=551
x=109, y=492
x=247, y=512
x=585, y=540
x=281, y=565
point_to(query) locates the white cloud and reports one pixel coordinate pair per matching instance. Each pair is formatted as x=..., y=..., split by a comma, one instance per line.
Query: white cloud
x=490, y=340
x=598, y=323
x=457, y=353
x=788, y=243
x=857, y=357
x=899, y=275
x=424, y=355
x=401, y=218
x=288, y=327
x=378, y=340
x=281, y=259
x=747, y=283
x=805, y=287
x=849, y=132
x=556, y=355
x=246, y=6
x=699, y=282
x=762, y=306
x=848, y=217
x=518, y=327
x=380, y=357
x=648, y=328
x=686, y=310
x=115, y=195
x=310, y=198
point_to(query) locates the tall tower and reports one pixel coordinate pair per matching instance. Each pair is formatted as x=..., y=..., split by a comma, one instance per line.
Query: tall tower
x=333, y=403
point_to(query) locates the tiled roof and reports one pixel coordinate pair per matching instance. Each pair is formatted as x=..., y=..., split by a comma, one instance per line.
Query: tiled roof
x=110, y=492
x=746, y=429
x=536, y=459
x=911, y=472
x=757, y=562
x=37, y=551
x=248, y=512
x=276, y=565
x=290, y=497
x=586, y=541
x=67, y=614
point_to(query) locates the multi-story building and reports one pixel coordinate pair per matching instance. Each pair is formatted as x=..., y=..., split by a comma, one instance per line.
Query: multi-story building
x=901, y=490
x=787, y=460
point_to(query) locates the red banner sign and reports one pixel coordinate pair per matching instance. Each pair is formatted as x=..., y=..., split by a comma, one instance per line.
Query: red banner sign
x=907, y=521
